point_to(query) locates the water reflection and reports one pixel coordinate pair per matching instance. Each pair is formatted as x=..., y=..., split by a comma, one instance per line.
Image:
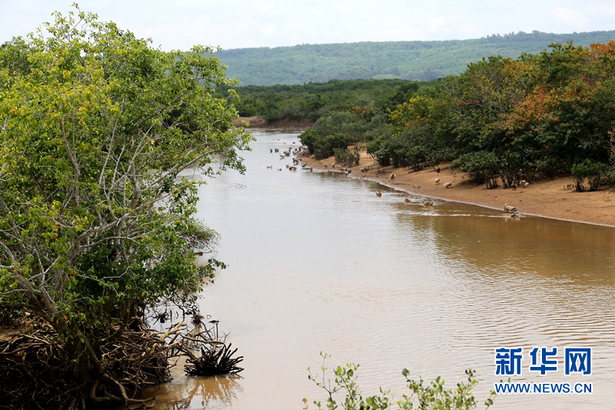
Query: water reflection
x=217, y=392
x=318, y=263
x=523, y=282
x=515, y=245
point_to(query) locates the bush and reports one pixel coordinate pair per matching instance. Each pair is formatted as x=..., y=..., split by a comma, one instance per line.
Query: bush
x=324, y=147
x=593, y=171
x=377, y=127
x=346, y=157
x=414, y=147
x=307, y=138
x=378, y=149
x=325, y=135
x=609, y=175
x=482, y=167
x=341, y=122
x=548, y=167
x=334, y=131
x=425, y=397
x=439, y=155
x=511, y=168
x=99, y=228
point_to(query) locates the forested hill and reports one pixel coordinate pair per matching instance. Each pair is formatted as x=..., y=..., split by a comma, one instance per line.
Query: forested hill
x=409, y=60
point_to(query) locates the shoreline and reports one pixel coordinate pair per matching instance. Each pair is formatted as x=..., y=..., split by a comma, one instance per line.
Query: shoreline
x=553, y=199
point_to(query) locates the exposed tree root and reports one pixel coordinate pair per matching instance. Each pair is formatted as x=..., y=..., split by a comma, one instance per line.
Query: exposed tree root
x=36, y=372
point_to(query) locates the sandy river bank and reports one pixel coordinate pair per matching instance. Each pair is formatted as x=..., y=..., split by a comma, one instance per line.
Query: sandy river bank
x=551, y=199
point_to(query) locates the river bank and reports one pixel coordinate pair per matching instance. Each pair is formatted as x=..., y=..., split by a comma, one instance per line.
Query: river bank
x=551, y=198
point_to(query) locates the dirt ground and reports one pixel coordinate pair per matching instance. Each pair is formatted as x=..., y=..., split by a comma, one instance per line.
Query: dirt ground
x=551, y=199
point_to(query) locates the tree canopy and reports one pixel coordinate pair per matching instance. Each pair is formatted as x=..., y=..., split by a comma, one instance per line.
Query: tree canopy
x=314, y=100
x=538, y=116
x=96, y=129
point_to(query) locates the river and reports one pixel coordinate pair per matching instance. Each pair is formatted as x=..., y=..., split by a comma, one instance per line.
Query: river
x=318, y=263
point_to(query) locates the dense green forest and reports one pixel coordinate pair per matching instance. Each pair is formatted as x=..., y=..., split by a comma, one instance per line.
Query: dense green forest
x=408, y=60
x=501, y=121
x=313, y=100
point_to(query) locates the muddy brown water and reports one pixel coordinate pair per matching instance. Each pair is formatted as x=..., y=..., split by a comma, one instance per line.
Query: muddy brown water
x=318, y=263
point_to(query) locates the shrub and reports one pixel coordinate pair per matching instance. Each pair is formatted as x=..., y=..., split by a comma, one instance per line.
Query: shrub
x=438, y=155
x=325, y=146
x=322, y=146
x=324, y=136
x=593, y=171
x=378, y=149
x=511, y=166
x=433, y=396
x=549, y=167
x=346, y=157
x=307, y=138
x=99, y=221
x=481, y=166
x=609, y=175
x=413, y=147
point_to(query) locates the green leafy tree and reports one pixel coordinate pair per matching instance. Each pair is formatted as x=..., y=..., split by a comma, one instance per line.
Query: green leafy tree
x=96, y=128
x=481, y=98
x=569, y=114
x=482, y=167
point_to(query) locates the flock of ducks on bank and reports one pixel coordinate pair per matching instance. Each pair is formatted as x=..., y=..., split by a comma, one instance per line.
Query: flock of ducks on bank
x=513, y=210
x=424, y=202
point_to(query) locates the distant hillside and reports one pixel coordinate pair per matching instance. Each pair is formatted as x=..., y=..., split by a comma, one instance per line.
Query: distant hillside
x=408, y=60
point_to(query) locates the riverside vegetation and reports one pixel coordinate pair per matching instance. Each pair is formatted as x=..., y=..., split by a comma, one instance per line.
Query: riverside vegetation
x=97, y=226
x=96, y=127
x=501, y=121
x=314, y=100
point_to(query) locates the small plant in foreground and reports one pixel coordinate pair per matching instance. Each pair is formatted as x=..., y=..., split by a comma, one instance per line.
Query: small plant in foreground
x=422, y=397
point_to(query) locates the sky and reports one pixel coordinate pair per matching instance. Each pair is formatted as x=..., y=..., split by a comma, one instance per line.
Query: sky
x=180, y=24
